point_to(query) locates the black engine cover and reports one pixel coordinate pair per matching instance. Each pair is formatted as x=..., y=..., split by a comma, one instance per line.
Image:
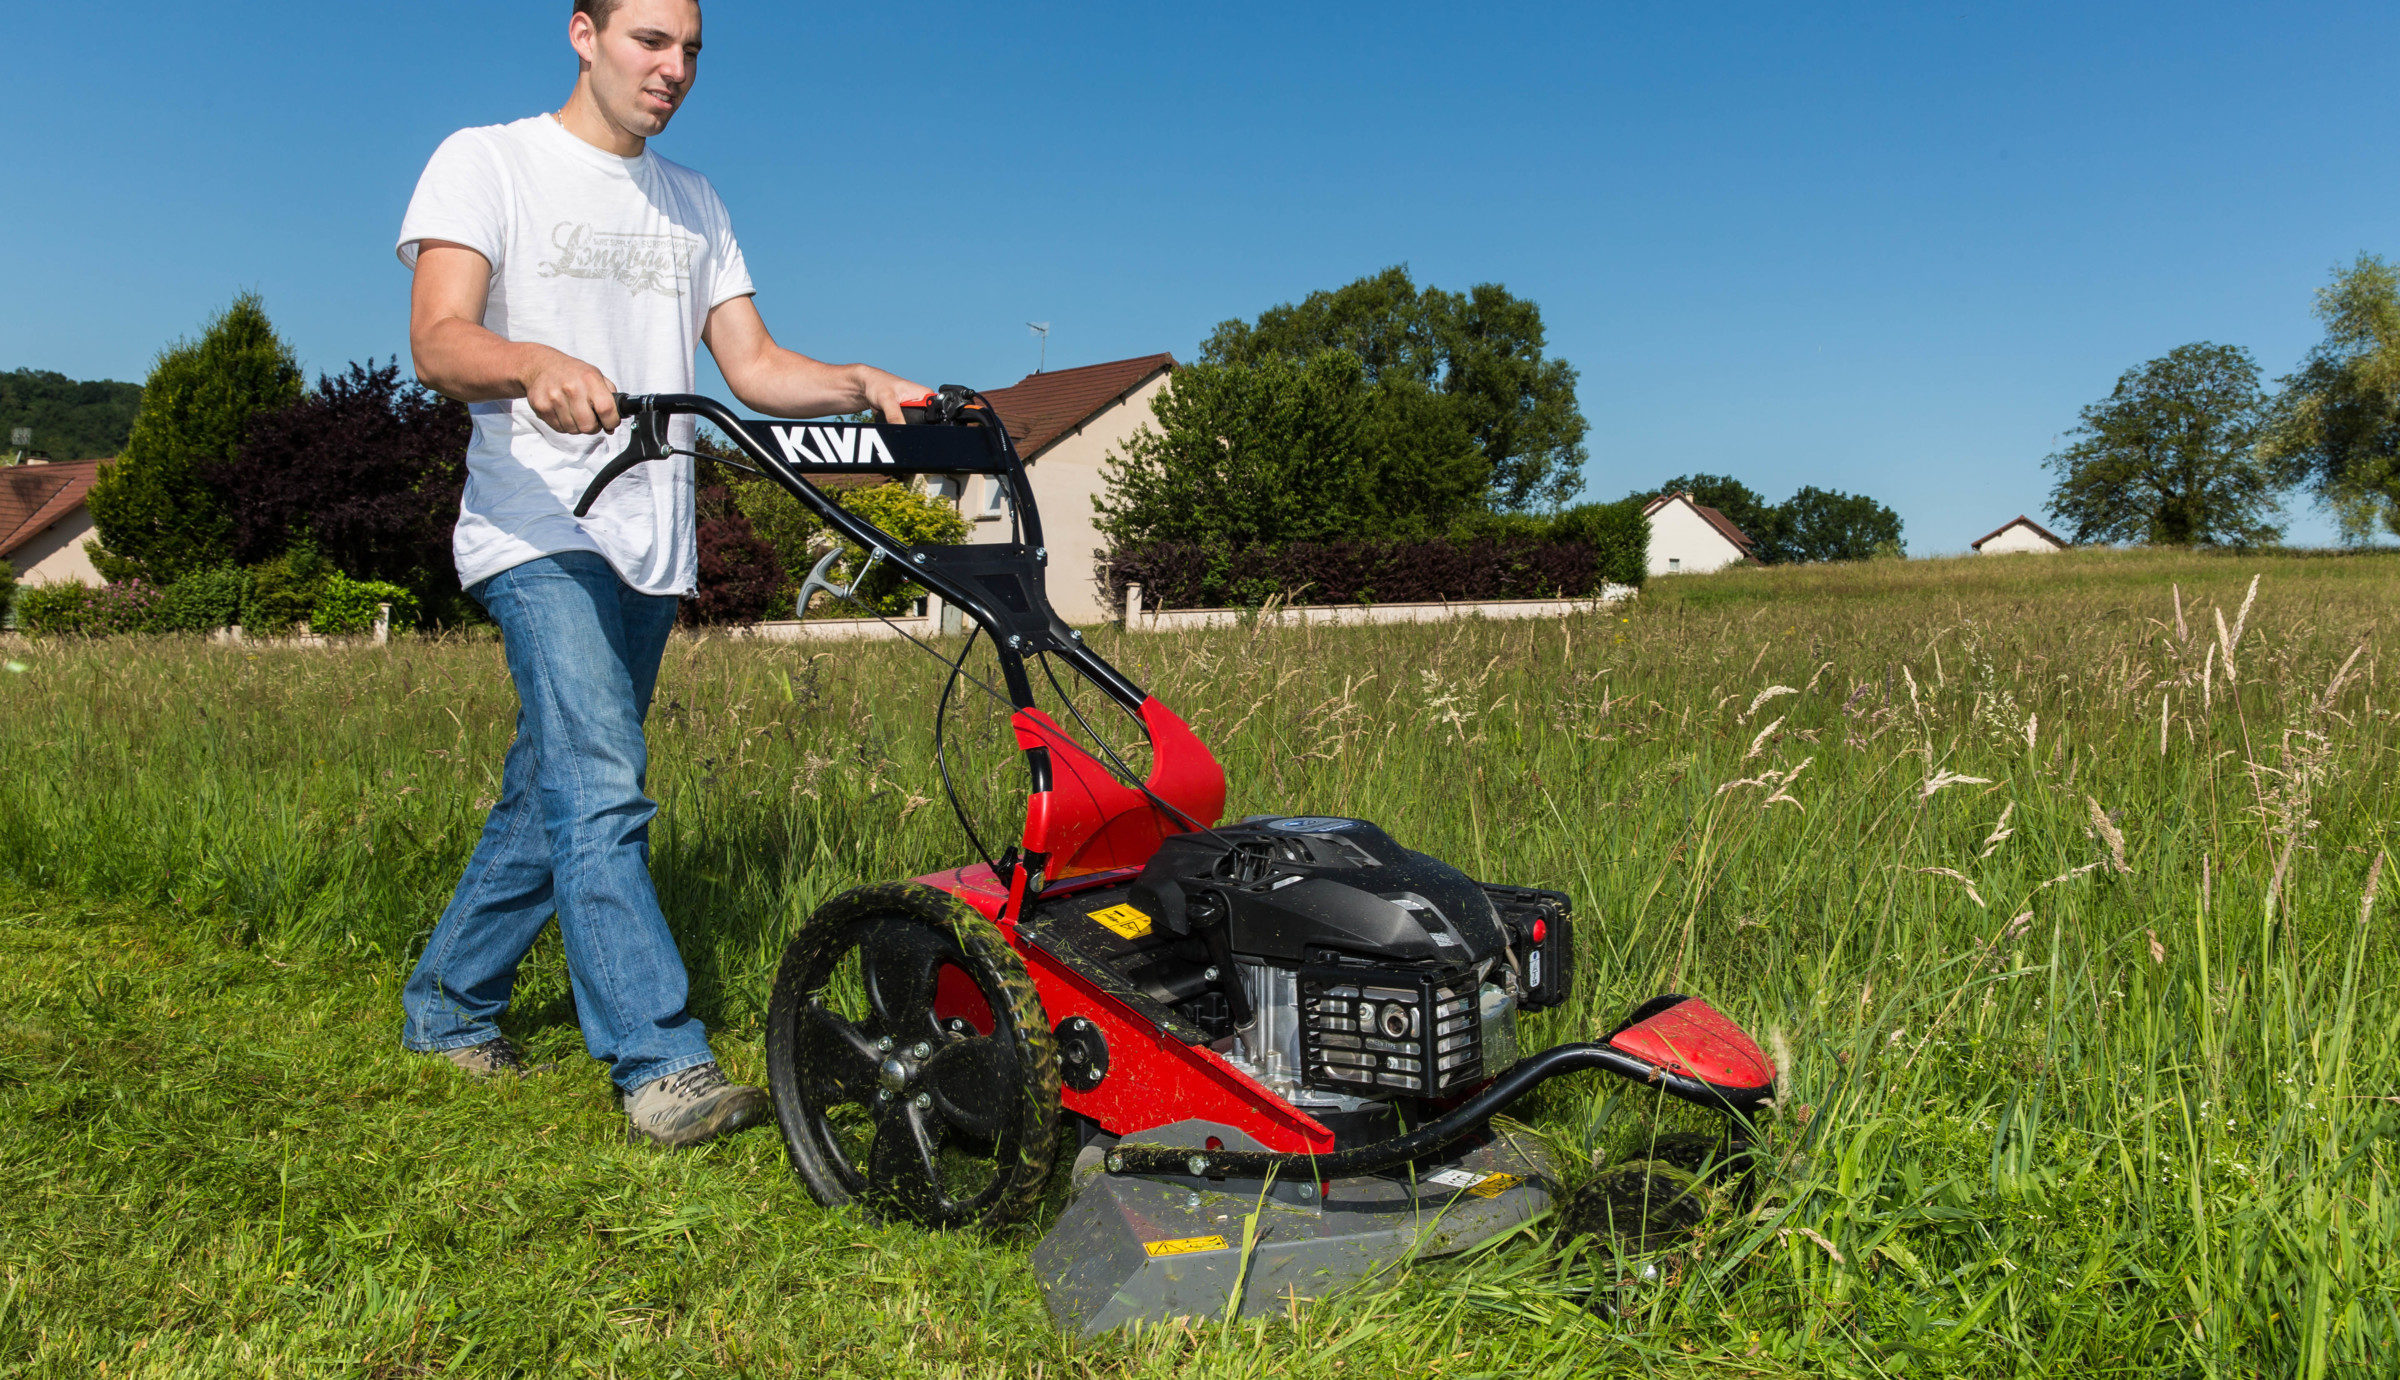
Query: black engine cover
x=1290, y=889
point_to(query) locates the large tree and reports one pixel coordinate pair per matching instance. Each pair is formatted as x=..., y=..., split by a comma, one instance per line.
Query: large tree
x=1826, y=525
x=158, y=512
x=71, y=420
x=2168, y=457
x=1465, y=397
x=2336, y=424
x=368, y=468
x=1247, y=455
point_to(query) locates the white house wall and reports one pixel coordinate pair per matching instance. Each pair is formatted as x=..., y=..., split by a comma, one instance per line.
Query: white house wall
x=1682, y=542
x=1065, y=479
x=2017, y=538
x=56, y=555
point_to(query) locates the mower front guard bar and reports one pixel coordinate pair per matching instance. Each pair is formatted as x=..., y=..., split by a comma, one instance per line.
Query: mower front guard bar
x=1133, y=1157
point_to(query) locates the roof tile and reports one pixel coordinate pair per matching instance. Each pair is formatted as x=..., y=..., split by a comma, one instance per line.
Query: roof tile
x=34, y=496
x=1040, y=409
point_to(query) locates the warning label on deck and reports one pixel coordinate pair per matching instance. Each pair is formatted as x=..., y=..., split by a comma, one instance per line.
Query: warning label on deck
x=1127, y=922
x=1185, y=1245
x=1474, y=1181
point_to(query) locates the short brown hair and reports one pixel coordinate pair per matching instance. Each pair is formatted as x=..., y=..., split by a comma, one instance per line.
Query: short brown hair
x=599, y=10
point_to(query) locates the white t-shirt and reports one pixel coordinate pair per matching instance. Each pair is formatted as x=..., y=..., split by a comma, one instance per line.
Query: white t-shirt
x=617, y=262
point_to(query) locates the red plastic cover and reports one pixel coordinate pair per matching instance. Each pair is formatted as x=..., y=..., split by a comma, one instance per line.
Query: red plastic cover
x=1695, y=1040
x=1089, y=821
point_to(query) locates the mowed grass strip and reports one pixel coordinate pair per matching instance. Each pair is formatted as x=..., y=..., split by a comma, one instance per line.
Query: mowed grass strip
x=2050, y=880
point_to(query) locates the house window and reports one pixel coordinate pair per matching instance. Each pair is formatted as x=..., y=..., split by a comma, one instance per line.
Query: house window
x=1674, y=563
x=943, y=486
x=995, y=497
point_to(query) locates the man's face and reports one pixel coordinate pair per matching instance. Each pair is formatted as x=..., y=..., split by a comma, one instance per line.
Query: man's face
x=643, y=63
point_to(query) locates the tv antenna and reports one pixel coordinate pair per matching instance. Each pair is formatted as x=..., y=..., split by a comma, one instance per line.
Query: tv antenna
x=1042, y=329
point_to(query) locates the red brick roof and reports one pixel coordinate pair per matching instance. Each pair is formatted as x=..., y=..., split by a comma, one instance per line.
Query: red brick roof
x=1741, y=540
x=1039, y=409
x=2020, y=520
x=34, y=496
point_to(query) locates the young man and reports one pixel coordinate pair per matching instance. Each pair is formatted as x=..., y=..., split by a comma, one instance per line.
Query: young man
x=558, y=262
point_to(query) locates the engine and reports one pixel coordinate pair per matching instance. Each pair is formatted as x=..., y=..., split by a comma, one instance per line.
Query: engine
x=1343, y=969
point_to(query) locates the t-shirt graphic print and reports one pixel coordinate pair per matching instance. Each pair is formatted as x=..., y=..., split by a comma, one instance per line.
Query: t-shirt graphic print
x=617, y=262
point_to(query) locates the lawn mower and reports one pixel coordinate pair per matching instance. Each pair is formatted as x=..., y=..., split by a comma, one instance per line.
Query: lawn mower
x=1277, y=1043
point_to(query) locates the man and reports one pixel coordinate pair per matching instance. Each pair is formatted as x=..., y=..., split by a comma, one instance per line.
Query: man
x=558, y=262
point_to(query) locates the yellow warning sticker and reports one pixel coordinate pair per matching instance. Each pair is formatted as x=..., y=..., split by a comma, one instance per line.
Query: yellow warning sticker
x=1496, y=1185
x=1184, y=1245
x=1125, y=921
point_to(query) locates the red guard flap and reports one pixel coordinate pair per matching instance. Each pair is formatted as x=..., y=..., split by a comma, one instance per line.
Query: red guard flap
x=1089, y=821
x=1695, y=1040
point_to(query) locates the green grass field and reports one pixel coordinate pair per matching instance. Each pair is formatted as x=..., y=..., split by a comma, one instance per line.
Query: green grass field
x=2051, y=882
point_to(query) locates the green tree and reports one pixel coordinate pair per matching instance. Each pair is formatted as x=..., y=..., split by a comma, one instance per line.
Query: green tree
x=158, y=514
x=71, y=420
x=1467, y=405
x=2336, y=424
x=1247, y=455
x=2168, y=457
x=1825, y=525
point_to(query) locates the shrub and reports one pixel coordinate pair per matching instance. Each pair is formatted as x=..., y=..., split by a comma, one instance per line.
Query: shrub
x=346, y=606
x=204, y=602
x=798, y=538
x=127, y=607
x=1188, y=575
x=368, y=469
x=284, y=591
x=1617, y=533
x=55, y=609
x=8, y=594
x=741, y=578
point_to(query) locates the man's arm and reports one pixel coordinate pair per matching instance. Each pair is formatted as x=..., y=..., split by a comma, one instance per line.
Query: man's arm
x=784, y=383
x=457, y=357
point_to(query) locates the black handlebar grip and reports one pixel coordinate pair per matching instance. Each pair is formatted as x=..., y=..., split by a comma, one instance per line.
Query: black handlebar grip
x=647, y=443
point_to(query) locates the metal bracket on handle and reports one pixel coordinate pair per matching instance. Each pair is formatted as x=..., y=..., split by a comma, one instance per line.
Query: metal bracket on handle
x=817, y=579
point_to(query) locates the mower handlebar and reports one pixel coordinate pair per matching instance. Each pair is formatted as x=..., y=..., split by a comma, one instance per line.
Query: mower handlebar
x=649, y=422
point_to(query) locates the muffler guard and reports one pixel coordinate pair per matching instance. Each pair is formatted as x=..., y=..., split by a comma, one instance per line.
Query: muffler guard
x=1152, y=1248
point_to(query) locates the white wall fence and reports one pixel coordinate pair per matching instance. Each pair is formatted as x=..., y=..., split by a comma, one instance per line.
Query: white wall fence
x=1139, y=619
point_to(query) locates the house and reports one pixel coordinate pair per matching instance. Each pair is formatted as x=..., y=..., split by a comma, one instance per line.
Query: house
x=2020, y=533
x=1688, y=537
x=1065, y=423
x=44, y=520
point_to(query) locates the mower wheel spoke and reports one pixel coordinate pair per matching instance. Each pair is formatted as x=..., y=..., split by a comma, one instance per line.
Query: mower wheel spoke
x=974, y=1085
x=838, y=1062
x=900, y=1164
x=901, y=964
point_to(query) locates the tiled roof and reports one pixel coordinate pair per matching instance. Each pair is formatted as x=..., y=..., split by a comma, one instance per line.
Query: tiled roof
x=2020, y=520
x=1041, y=408
x=1741, y=540
x=34, y=496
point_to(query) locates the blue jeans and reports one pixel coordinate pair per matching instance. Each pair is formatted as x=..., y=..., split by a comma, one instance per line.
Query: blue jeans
x=571, y=833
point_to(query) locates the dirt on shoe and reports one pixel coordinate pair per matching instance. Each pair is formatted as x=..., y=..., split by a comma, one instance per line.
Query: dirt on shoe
x=697, y=1104
x=490, y=1059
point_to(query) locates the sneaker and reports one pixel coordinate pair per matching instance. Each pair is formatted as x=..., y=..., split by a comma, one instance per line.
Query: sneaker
x=699, y=1103
x=490, y=1059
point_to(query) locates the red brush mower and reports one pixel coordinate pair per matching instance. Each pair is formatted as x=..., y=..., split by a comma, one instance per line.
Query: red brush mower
x=1280, y=1041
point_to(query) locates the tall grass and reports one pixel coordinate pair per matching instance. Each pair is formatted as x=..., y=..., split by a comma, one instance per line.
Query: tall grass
x=2052, y=882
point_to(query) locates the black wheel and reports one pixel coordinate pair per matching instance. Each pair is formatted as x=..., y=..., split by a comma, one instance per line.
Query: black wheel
x=912, y=1067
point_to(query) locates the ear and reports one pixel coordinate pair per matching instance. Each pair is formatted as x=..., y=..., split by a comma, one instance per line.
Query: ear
x=583, y=37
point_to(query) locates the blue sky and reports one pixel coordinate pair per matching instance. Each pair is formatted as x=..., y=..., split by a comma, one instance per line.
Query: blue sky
x=1876, y=248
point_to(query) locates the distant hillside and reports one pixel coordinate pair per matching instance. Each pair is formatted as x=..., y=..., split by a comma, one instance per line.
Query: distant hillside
x=70, y=419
